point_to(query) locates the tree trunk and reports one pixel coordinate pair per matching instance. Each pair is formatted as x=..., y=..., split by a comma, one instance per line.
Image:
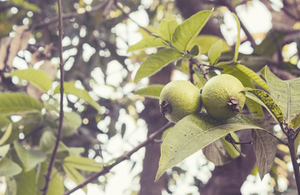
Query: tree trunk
x=155, y=121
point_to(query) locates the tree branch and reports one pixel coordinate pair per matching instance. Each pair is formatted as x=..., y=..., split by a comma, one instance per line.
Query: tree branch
x=125, y=156
x=61, y=112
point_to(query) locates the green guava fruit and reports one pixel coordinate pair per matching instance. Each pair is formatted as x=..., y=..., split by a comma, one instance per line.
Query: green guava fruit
x=178, y=99
x=222, y=97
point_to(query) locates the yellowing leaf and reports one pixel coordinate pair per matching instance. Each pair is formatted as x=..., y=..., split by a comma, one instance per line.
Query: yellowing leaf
x=147, y=42
x=167, y=28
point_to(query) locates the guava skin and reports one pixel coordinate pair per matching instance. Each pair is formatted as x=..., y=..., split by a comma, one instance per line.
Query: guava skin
x=221, y=96
x=178, y=99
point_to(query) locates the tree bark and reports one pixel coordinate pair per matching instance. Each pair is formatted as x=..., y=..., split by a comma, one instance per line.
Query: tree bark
x=155, y=120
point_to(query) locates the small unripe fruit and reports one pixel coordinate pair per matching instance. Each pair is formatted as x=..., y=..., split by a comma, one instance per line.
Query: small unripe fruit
x=221, y=96
x=178, y=99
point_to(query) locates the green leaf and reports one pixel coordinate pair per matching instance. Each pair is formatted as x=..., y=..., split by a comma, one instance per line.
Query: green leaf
x=193, y=133
x=238, y=42
x=69, y=88
x=29, y=158
x=74, y=175
x=30, y=122
x=6, y=134
x=206, y=41
x=167, y=28
x=71, y=123
x=285, y=93
x=3, y=151
x=296, y=121
x=265, y=150
x=252, y=76
x=26, y=183
x=152, y=91
x=56, y=185
x=38, y=78
x=16, y=103
x=147, y=42
x=156, y=62
x=83, y=163
x=189, y=29
x=214, y=52
x=8, y=168
x=266, y=100
x=4, y=121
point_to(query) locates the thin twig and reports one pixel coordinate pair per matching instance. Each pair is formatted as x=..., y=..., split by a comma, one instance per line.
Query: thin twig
x=61, y=112
x=200, y=66
x=125, y=156
x=191, y=71
x=67, y=16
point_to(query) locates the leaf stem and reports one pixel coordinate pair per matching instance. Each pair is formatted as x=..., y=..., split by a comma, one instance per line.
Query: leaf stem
x=61, y=112
x=291, y=146
x=123, y=157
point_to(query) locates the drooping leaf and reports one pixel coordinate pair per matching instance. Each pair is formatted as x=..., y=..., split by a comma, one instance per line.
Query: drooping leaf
x=69, y=88
x=238, y=42
x=83, y=163
x=264, y=99
x=265, y=150
x=214, y=52
x=71, y=123
x=16, y=103
x=156, y=62
x=285, y=93
x=56, y=185
x=74, y=175
x=167, y=28
x=147, y=42
x=26, y=183
x=189, y=29
x=8, y=168
x=38, y=78
x=206, y=41
x=152, y=91
x=216, y=153
x=193, y=133
x=29, y=158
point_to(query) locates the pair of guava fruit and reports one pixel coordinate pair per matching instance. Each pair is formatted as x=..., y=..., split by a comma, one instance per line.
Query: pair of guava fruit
x=221, y=97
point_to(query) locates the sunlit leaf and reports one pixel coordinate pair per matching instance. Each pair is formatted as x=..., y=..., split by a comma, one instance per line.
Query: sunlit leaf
x=265, y=150
x=16, y=103
x=264, y=99
x=189, y=29
x=167, y=28
x=147, y=42
x=83, y=163
x=6, y=134
x=38, y=78
x=193, y=133
x=8, y=168
x=285, y=93
x=206, y=41
x=214, y=52
x=156, y=62
x=74, y=175
x=152, y=91
x=69, y=88
x=3, y=151
x=29, y=158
